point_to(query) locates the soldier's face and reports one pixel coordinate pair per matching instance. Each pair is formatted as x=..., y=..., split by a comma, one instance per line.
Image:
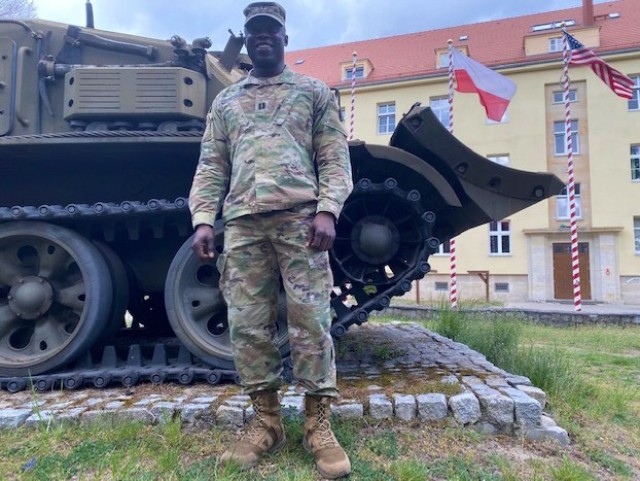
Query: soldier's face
x=265, y=40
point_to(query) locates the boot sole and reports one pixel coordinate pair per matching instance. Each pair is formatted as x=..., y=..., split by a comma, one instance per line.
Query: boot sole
x=244, y=466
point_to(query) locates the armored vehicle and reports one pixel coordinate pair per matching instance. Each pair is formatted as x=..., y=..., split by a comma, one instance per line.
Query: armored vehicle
x=99, y=139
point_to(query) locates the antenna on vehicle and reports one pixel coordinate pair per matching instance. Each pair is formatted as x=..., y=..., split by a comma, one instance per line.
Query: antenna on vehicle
x=89, y=9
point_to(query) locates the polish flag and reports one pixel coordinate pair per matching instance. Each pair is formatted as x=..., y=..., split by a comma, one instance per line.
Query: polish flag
x=495, y=90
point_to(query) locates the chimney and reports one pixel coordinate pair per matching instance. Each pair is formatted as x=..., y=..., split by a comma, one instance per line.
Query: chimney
x=587, y=13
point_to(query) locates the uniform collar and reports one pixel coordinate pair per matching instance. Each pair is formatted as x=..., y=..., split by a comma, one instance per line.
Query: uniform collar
x=286, y=77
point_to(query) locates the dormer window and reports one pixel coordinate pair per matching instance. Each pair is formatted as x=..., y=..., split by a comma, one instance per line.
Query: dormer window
x=442, y=55
x=359, y=72
x=555, y=44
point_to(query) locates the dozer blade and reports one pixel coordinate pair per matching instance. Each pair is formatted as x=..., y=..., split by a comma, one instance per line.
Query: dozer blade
x=487, y=191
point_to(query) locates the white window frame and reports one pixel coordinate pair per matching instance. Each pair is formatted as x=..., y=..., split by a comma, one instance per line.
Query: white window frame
x=386, y=118
x=348, y=72
x=635, y=162
x=442, y=109
x=634, y=102
x=443, y=60
x=562, y=203
x=444, y=249
x=500, y=231
x=500, y=159
x=555, y=44
x=559, y=133
x=636, y=234
x=557, y=97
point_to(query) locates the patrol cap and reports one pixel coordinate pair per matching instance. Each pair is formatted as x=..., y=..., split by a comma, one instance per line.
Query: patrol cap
x=264, y=9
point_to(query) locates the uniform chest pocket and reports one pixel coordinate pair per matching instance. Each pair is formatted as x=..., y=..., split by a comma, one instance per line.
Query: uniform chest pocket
x=296, y=108
x=235, y=118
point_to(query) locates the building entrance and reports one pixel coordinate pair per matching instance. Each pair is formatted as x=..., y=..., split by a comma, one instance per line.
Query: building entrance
x=563, y=272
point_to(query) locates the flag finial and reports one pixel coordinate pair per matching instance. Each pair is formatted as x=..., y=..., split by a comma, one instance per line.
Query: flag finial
x=449, y=41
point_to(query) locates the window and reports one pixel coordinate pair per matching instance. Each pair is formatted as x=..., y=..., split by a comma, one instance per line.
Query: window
x=500, y=237
x=440, y=108
x=386, y=118
x=442, y=286
x=635, y=162
x=444, y=249
x=560, y=143
x=562, y=203
x=443, y=60
x=348, y=73
x=634, y=102
x=501, y=287
x=558, y=96
x=636, y=234
x=502, y=159
x=555, y=44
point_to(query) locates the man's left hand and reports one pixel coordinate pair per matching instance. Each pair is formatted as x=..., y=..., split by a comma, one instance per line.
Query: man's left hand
x=322, y=232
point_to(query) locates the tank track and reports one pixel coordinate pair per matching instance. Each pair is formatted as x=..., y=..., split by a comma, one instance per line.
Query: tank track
x=128, y=362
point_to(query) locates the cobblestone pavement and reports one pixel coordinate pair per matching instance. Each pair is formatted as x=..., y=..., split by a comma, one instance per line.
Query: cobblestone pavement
x=395, y=371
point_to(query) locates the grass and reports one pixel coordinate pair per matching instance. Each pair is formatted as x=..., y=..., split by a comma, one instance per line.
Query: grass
x=590, y=375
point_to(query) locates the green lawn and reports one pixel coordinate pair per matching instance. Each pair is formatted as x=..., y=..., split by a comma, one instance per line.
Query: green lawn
x=590, y=374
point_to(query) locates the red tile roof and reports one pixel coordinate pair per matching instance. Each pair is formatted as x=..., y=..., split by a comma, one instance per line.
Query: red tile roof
x=495, y=43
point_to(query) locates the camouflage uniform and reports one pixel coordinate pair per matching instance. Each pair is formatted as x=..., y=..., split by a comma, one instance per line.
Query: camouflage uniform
x=258, y=154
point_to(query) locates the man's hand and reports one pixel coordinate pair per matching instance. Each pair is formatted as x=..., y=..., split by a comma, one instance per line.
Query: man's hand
x=322, y=232
x=203, y=244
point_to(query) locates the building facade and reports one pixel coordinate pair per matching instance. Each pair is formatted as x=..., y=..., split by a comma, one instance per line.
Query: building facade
x=527, y=256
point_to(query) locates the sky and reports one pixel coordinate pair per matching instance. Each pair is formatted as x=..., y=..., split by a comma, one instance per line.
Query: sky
x=310, y=23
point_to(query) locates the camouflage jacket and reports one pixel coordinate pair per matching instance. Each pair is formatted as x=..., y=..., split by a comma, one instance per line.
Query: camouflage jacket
x=258, y=149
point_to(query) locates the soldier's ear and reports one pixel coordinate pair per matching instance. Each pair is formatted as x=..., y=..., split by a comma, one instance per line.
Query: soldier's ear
x=286, y=40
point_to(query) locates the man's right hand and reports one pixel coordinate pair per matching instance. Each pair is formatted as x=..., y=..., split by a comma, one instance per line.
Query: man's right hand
x=203, y=242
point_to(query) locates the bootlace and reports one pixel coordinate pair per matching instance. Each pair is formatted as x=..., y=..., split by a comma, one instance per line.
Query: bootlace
x=255, y=428
x=324, y=433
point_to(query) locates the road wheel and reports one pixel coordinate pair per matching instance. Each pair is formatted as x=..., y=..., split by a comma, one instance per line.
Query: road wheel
x=197, y=311
x=55, y=297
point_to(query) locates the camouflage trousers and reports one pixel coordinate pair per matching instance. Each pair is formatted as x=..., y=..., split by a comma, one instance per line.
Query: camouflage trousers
x=258, y=249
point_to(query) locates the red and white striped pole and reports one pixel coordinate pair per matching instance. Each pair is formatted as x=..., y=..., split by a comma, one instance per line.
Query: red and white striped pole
x=453, y=283
x=575, y=263
x=353, y=96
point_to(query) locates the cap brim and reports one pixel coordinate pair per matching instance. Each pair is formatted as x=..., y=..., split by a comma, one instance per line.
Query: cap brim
x=250, y=19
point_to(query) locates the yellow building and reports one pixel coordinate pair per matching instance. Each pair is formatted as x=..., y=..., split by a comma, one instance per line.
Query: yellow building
x=525, y=257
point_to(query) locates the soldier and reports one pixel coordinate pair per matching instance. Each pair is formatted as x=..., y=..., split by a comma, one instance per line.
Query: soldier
x=274, y=156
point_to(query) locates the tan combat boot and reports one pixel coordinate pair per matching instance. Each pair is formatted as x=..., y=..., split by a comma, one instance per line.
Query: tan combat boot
x=264, y=434
x=331, y=460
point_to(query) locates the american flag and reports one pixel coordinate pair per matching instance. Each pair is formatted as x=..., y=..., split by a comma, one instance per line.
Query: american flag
x=615, y=80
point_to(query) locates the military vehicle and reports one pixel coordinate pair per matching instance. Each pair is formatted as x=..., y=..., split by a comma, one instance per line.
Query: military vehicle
x=99, y=140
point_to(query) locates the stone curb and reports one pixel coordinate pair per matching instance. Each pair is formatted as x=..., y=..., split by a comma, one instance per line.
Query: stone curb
x=483, y=407
x=481, y=396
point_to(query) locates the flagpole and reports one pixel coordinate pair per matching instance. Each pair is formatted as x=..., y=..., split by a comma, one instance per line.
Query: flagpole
x=353, y=95
x=453, y=284
x=575, y=262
